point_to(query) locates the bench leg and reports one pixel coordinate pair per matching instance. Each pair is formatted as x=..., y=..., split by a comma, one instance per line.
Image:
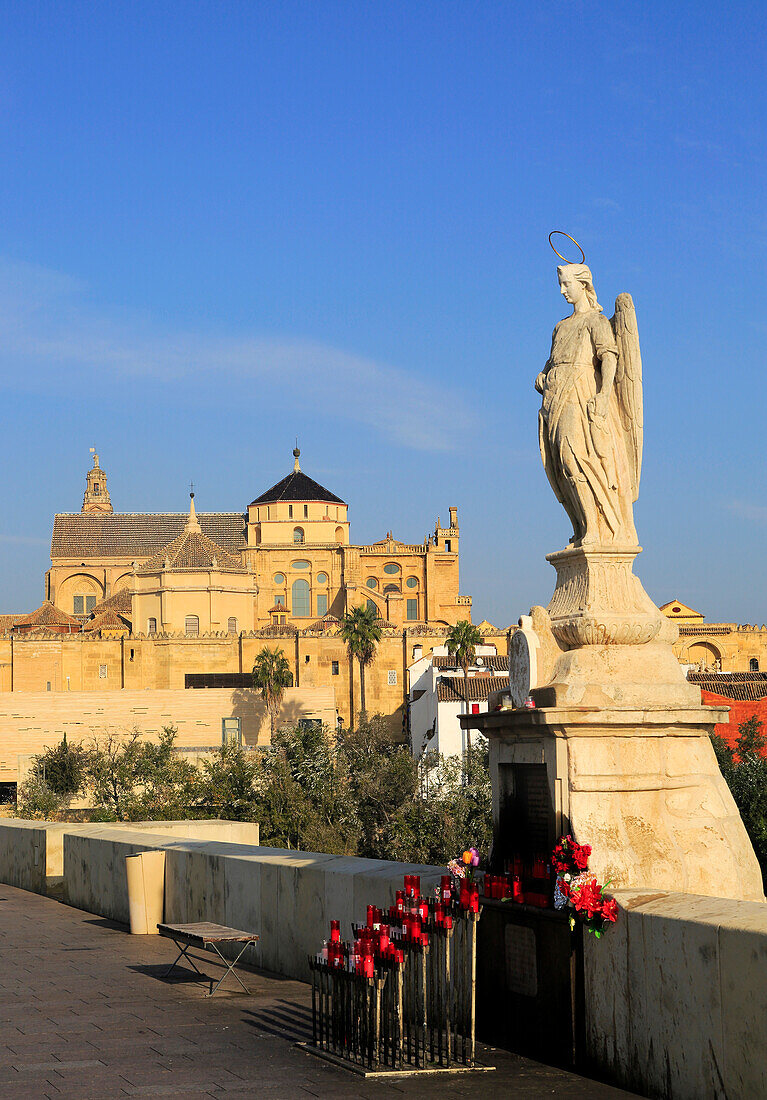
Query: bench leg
x=183, y=953
x=229, y=969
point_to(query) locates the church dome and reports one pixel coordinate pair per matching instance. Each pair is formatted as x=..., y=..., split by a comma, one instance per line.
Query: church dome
x=297, y=487
x=192, y=551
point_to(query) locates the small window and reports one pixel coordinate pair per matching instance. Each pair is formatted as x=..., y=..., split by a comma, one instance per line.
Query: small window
x=231, y=731
x=231, y=625
x=372, y=606
x=322, y=604
x=151, y=626
x=306, y=511
x=96, y=490
x=412, y=609
x=90, y=603
x=475, y=708
x=298, y=535
x=753, y=664
x=290, y=511
x=279, y=578
x=412, y=582
x=448, y=545
x=79, y=605
x=192, y=626
x=280, y=619
x=307, y=659
x=132, y=654
x=102, y=672
x=48, y=686
x=280, y=600
x=391, y=588
x=322, y=578
x=391, y=567
x=371, y=582
x=391, y=677
x=301, y=564
x=333, y=669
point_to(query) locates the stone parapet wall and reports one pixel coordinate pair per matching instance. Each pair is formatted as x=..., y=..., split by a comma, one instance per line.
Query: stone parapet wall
x=676, y=997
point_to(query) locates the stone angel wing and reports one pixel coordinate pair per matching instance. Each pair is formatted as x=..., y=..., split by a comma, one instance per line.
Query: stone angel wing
x=628, y=383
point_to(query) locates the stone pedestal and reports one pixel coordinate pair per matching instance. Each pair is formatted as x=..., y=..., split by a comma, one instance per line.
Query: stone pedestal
x=617, y=748
x=641, y=785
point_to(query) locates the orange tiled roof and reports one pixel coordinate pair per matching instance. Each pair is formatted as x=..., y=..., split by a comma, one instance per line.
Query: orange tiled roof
x=47, y=615
x=107, y=620
x=498, y=663
x=119, y=602
x=7, y=622
x=192, y=550
x=451, y=690
x=137, y=534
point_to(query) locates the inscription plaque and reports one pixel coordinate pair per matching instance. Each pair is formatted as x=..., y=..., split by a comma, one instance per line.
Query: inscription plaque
x=521, y=960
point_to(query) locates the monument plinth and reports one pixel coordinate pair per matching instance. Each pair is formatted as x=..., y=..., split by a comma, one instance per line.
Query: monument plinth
x=617, y=749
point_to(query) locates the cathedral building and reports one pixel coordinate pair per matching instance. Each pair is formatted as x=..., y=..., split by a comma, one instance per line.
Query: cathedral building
x=287, y=560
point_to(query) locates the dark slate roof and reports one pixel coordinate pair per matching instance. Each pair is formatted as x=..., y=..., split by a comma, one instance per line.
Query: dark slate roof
x=297, y=486
x=137, y=534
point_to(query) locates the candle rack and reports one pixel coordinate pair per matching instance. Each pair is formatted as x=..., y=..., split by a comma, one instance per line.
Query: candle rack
x=409, y=1007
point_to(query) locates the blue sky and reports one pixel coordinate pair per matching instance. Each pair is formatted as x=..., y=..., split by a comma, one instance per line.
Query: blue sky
x=228, y=224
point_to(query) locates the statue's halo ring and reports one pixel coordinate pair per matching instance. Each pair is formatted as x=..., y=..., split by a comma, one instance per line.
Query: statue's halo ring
x=561, y=233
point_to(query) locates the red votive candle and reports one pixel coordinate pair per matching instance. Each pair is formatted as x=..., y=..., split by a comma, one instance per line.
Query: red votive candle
x=383, y=940
x=516, y=892
x=445, y=888
x=464, y=897
x=335, y=931
x=474, y=897
x=416, y=885
x=448, y=922
x=400, y=901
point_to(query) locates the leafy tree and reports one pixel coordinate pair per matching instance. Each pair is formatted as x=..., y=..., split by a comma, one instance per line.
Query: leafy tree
x=745, y=771
x=361, y=632
x=462, y=642
x=271, y=675
x=132, y=780
x=35, y=800
x=229, y=783
x=63, y=767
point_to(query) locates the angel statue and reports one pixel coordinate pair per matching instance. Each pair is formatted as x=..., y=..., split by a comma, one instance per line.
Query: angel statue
x=590, y=423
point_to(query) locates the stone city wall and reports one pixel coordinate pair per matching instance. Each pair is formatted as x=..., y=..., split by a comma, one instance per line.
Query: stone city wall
x=77, y=662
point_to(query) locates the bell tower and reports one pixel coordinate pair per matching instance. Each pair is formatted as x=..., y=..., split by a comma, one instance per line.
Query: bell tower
x=96, y=497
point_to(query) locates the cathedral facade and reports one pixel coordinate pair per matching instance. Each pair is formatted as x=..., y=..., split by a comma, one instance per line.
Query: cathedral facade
x=286, y=560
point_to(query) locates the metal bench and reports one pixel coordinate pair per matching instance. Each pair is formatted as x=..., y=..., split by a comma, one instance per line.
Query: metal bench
x=208, y=937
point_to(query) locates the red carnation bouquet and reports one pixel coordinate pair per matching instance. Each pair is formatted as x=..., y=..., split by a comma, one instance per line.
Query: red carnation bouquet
x=578, y=890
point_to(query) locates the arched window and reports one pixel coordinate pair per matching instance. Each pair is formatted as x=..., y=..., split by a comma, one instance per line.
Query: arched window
x=192, y=626
x=391, y=588
x=298, y=535
x=231, y=625
x=301, y=604
x=753, y=664
x=372, y=606
x=339, y=534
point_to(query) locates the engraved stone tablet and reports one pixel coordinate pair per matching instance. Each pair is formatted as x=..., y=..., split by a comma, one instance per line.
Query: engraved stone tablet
x=522, y=661
x=521, y=962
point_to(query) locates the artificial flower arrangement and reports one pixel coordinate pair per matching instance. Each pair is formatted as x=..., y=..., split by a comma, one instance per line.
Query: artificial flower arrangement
x=578, y=890
x=465, y=866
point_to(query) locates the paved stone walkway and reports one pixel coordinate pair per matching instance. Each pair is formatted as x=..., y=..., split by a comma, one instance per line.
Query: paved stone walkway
x=85, y=1013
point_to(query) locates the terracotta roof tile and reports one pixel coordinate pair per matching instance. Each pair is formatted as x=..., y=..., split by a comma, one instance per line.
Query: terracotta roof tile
x=137, y=535
x=119, y=601
x=450, y=689
x=47, y=615
x=7, y=622
x=108, y=620
x=499, y=663
x=191, y=551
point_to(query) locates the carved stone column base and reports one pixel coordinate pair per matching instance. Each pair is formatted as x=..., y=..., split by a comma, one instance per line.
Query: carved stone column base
x=598, y=600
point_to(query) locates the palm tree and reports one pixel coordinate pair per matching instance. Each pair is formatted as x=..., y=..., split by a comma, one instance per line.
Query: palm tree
x=271, y=675
x=361, y=631
x=462, y=642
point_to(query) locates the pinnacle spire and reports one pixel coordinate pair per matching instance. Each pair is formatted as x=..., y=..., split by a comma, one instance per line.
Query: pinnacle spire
x=296, y=456
x=192, y=523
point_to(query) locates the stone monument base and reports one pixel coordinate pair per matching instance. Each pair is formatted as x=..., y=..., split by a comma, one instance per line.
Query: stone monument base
x=640, y=784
